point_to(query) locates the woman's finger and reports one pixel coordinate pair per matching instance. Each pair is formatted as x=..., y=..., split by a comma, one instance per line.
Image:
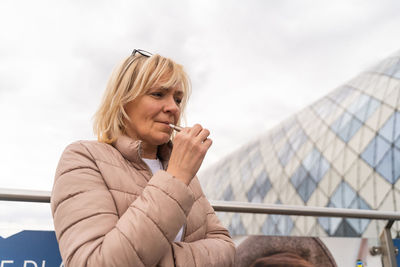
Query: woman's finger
x=207, y=143
x=202, y=136
x=195, y=130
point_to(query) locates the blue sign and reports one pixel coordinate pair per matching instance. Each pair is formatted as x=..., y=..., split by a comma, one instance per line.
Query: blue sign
x=30, y=249
x=396, y=243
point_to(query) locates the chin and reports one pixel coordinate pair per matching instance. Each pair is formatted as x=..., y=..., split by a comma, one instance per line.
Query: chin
x=164, y=139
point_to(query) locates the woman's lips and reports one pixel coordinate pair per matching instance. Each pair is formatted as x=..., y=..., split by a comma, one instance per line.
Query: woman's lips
x=166, y=123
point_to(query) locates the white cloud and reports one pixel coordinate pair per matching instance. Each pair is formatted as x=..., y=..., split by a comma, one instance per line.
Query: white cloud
x=18, y=216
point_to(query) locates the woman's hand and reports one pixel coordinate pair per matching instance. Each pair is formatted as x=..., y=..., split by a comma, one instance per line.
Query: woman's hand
x=190, y=148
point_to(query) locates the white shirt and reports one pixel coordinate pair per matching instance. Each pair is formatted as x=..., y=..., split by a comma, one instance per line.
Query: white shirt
x=156, y=165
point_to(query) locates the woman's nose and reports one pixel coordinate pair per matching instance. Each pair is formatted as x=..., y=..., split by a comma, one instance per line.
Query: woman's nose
x=171, y=105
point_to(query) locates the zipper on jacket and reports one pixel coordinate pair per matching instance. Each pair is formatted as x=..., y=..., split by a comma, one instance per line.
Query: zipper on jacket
x=184, y=232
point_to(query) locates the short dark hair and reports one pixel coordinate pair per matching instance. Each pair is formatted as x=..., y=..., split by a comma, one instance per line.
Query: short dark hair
x=284, y=259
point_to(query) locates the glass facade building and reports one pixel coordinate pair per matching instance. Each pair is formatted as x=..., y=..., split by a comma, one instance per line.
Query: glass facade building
x=342, y=151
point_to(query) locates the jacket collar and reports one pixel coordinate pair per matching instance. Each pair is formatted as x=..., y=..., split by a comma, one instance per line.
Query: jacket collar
x=131, y=149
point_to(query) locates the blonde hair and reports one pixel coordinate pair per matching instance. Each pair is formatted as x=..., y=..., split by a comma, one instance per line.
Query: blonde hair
x=131, y=79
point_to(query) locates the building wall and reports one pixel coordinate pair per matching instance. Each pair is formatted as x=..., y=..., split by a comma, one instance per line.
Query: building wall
x=342, y=151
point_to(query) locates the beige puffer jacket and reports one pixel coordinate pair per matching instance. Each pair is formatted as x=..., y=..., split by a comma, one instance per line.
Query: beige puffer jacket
x=109, y=210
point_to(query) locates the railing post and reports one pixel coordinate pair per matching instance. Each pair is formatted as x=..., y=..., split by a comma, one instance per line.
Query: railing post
x=387, y=247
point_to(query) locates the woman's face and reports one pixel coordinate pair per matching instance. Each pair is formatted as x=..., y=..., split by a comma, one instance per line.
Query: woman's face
x=151, y=113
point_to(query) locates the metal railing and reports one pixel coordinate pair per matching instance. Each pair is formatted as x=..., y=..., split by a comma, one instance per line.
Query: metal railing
x=24, y=195
x=234, y=206
x=386, y=249
x=245, y=207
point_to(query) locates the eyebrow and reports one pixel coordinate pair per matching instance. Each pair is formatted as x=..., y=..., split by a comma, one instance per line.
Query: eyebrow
x=178, y=92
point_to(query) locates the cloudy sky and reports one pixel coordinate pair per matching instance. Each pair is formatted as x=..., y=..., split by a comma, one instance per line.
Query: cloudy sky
x=252, y=64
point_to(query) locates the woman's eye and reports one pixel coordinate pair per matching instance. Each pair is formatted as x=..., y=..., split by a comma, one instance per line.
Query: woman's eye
x=157, y=94
x=178, y=101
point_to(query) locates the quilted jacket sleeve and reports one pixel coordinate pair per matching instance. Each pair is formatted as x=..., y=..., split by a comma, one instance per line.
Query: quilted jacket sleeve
x=217, y=249
x=87, y=225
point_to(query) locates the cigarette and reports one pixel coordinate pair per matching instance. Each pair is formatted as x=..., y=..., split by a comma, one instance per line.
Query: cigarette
x=175, y=127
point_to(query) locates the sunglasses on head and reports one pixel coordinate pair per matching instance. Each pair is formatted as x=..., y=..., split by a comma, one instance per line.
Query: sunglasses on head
x=141, y=52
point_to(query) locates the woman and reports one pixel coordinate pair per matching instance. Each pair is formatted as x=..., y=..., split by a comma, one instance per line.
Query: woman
x=130, y=198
